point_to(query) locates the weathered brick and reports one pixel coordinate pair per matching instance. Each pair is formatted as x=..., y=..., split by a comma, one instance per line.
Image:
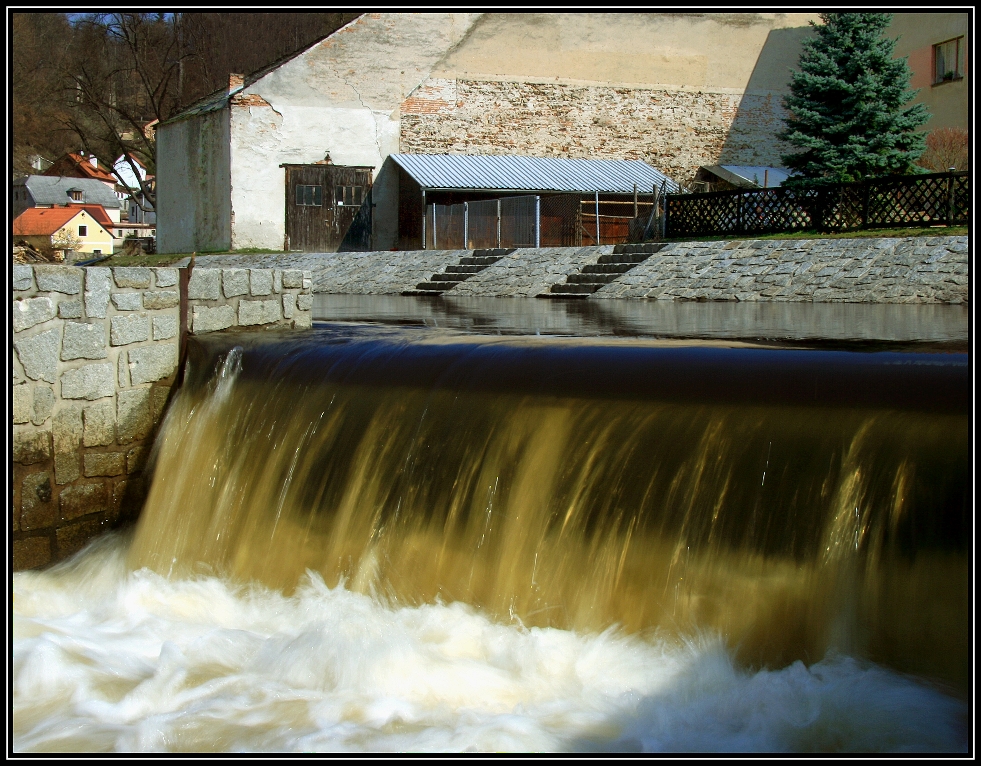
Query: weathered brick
x=205, y=319
x=84, y=341
x=37, y=510
x=235, y=282
x=258, y=312
x=58, y=279
x=127, y=301
x=124, y=330
x=131, y=276
x=164, y=327
x=28, y=312
x=261, y=281
x=136, y=458
x=289, y=305
x=23, y=403
x=204, y=284
x=23, y=277
x=104, y=463
x=166, y=277
x=91, y=381
x=81, y=499
x=304, y=301
x=99, y=424
x=31, y=552
x=66, y=432
x=44, y=401
x=150, y=363
x=98, y=283
x=292, y=278
x=31, y=444
x=70, y=309
x=133, y=421
x=161, y=299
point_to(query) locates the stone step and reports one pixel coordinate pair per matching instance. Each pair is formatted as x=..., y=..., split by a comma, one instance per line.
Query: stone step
x=438, y=286
x=633, y=258
x=493, y=252
x=591, y=279
x=647, y=247
x=423, y=293
x=480, y=260
x=464, y=269
x=574, y=289
x=608, y=268
x=454, y=278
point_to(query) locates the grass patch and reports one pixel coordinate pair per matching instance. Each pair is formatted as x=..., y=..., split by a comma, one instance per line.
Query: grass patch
x=933, y=231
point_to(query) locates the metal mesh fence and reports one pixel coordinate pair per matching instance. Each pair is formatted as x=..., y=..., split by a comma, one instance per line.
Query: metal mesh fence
x=554, y=220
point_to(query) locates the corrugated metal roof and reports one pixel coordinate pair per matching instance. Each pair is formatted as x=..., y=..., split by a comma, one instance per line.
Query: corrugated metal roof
x=506, y=172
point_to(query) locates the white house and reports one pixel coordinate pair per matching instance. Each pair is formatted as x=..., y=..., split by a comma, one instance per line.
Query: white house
x=677, y=90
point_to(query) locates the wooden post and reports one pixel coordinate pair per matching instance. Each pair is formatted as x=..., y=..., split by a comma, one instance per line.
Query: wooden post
x=538, y=221
x=597, y=218
x=466, y=225
x=635, y=200
x=498, y=223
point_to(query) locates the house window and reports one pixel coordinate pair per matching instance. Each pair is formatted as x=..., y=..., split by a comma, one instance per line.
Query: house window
x=310, y=196
x=83, y=231
x=96, y=252
x=947, y=61
x=75, y=194
x=349, y=195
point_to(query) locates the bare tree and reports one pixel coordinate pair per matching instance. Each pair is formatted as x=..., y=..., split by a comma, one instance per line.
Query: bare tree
x=945, y=148
x=122, y=75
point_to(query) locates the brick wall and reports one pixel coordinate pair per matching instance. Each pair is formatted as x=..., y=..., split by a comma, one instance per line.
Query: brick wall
x=95, y=357
x=675, y=131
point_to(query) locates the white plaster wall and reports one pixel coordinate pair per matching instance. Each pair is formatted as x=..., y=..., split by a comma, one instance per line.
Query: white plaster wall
x=341, y=96
x=193, y=206
x=265, y=137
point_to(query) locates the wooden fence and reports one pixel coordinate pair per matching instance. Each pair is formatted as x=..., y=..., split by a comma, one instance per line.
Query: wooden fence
x=892, y=201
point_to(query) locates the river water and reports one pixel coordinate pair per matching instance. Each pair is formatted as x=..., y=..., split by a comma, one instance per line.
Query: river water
x=476, y=537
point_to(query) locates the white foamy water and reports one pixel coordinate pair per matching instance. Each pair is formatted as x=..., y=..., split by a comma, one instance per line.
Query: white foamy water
x=106, y=659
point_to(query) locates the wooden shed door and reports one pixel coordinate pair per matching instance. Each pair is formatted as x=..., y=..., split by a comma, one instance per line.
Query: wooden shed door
x=328, y=208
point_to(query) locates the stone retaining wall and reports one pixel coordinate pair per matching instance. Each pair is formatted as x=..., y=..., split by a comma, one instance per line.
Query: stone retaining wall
x=96, y=353
x=868, y=270
x=858, y=270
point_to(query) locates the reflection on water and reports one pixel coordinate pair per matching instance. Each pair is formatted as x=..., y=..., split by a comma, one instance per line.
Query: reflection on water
x=371, y=539
x=827, y=323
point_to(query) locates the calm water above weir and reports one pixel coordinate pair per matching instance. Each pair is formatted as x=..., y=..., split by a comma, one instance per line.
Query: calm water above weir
x=377, y=538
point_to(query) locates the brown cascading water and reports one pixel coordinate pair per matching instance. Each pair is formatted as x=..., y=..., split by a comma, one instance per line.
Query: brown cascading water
x=796, y=503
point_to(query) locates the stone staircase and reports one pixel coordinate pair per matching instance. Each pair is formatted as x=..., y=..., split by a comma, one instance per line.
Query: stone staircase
x=451, y=276
x=607, y=269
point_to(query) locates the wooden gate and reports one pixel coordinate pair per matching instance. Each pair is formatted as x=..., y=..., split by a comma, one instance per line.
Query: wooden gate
x=328, y=208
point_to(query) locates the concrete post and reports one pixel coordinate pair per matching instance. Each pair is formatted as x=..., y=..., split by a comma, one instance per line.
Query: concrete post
x=538, y=221
x=596, y=199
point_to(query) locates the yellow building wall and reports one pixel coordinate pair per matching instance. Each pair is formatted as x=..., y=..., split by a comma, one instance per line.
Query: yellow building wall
x=918, y=33
x=96, y=237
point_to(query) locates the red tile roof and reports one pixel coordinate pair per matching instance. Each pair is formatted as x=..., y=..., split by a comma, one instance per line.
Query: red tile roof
x=77, y=166
x=43, y=220
x=97, y=212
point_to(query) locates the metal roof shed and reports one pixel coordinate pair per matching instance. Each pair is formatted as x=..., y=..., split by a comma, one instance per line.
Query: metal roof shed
x=606, y=186
x=507, y=173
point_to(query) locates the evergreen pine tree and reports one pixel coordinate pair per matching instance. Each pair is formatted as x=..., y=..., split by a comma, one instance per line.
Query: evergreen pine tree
x=846, y=104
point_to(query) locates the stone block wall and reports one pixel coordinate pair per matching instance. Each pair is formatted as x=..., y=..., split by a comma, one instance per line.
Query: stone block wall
x=222, y=299
x=861, y=270
x=674, y=130
x=95, y=355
